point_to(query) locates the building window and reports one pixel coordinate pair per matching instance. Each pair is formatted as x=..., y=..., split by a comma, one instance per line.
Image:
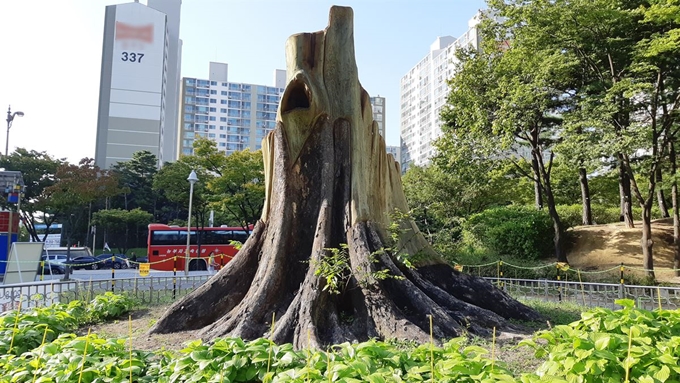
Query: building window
x=213, y=91
x=213, y=101
x=214, y=83
x=224, y=93
x=212, y=118
x=223, y=110
x=223, y=102
x=213, y=110
x=223, y=119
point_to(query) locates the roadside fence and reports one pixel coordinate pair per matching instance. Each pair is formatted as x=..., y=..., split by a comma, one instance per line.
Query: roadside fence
x=591, y=294
x=147, y=290
x=559, y=271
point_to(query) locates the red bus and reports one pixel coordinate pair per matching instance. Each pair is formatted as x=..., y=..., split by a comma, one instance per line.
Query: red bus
x=165, y=242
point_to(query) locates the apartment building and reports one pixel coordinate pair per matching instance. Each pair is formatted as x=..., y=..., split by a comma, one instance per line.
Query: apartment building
x=137, y=99
x=423, y=93
x=236, y=116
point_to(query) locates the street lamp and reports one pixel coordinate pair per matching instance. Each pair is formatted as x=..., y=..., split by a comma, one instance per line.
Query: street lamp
x=10, y=118
x=192, y=180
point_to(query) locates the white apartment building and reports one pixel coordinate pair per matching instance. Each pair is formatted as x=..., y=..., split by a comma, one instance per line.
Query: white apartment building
x=137, y=96
x=423, y=94
x=378, y=107
x=236, y=116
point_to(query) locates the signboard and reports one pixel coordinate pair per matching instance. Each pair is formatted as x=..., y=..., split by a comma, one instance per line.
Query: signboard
x=138, y=62
x=23, y=260
x=144, y=269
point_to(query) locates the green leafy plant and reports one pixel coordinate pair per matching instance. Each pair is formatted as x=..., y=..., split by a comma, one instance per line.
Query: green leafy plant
x=109, y=306
x=612, y=346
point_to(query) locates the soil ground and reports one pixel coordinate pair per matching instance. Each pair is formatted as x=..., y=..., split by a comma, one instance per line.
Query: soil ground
x=593, y=248
x=602, y=247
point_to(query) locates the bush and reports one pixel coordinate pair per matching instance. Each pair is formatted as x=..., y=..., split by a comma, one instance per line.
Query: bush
x=514, y=231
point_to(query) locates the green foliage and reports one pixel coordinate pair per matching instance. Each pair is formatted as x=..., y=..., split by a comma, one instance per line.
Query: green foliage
x=119, y=224
x=108, y=306
x=74, y=359
x=333, y=268
x=592, y=349
x=56, y=319
x=513, y=231
x=596, y=348
x=38, y=170
x=136, y=179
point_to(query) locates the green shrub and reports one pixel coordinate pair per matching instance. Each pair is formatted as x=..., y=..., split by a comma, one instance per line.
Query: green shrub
x=108, y=306
x=570, y=215
x=514, y=231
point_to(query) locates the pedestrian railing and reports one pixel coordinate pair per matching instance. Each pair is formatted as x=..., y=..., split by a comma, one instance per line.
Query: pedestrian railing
x=591, y=294
x=147, y=290
x=159, y=290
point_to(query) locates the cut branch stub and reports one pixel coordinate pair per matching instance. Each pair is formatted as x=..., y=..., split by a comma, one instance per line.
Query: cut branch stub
x=329, y=182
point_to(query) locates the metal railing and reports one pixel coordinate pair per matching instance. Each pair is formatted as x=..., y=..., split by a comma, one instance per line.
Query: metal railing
x=147, y=290
x=158, y=290
x=591, y=294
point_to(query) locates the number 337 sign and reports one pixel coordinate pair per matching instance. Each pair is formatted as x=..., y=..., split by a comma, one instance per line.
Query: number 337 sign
x=132, y=57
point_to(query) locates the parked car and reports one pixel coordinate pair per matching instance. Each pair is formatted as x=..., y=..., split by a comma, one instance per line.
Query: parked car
x=51, y=268
x=84, y=262
x=107, y=261
x=140, y=259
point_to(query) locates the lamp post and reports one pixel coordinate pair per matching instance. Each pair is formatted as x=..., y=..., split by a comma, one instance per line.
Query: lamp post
x=192, y=180
x=10, y=118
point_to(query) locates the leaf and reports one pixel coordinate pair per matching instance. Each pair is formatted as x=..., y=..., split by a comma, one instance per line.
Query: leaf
x=663, y=374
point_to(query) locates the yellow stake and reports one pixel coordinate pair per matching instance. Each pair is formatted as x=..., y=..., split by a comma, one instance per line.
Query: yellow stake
x=82, y=366
x=583, y=293
x=130, y=327
x=630, y=342
x=35, y=372
x=16, y=323
x=658, y=296
x=493, y=348
x=271, y=335
x=431, y=351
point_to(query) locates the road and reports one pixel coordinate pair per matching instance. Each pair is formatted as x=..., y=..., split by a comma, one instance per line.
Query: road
x=86, y=275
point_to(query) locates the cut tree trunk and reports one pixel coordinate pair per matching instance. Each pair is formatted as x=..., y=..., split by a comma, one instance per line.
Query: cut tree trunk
x=331, y=185
x=587, y=214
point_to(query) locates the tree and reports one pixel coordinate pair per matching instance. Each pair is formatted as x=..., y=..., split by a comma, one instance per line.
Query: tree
x=171, y=180
x=38, y=170
x=238, y=186
x=75, y=188
x=626, y=50
x=505, y=102
x=120, y=223
x=330, y=186
x=136, y=179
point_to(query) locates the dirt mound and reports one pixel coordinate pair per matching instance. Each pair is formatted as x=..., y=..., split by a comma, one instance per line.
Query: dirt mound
x=601, y=247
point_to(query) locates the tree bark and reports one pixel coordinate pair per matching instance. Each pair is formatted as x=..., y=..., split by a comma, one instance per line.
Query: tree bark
x=538, y=195
x=558, y=229
x=647, y=242
x=676, y=215
x=331, y=185
x=587, y=215
x=660, y=195
x=625, y=194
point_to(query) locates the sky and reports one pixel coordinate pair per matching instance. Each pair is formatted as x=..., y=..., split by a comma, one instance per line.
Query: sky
x=51, y=54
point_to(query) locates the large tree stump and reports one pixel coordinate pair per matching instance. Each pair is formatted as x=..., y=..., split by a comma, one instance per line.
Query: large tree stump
x=330, y=182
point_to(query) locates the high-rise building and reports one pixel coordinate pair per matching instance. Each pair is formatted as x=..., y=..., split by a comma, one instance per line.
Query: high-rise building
x=378, y=106
x=423, y=94
x=140, y=61
x=236, y=116
x=395, y=151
